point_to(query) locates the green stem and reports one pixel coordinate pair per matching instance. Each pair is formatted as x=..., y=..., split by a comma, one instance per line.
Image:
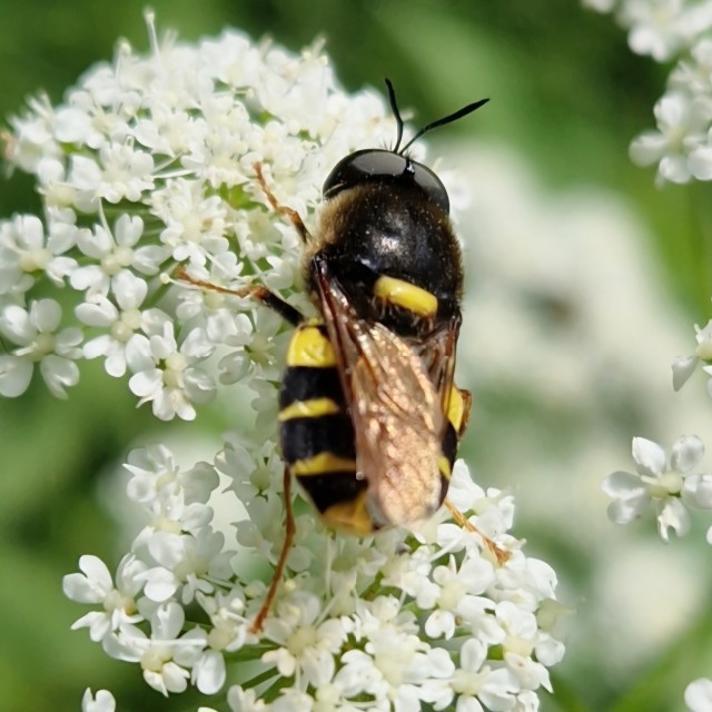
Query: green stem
x=259, y=679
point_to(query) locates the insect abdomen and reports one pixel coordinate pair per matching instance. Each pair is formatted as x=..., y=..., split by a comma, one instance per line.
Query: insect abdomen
x=316, y=433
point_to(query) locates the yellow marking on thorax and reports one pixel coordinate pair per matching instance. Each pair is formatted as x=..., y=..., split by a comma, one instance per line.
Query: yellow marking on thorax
x=444, y=467
x=321, y=463
x=309, y=347
x=406, y=295
x=351, y=517
x=456, y=408
x=313, y=408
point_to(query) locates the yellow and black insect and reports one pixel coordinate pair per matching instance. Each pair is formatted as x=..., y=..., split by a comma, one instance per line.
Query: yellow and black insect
x=369, y=415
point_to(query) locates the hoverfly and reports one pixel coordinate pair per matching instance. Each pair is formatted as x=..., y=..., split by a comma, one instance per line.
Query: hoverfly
x=369, y=415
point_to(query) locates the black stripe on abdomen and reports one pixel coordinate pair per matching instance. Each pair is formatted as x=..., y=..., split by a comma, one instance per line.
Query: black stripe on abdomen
x=302, y=383
x=303, y=438
x=331, y=488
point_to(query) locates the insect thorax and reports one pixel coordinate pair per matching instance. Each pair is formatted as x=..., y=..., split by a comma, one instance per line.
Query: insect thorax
x=395, y=255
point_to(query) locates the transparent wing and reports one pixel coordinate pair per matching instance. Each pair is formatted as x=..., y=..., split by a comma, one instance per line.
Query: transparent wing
x=395, y=406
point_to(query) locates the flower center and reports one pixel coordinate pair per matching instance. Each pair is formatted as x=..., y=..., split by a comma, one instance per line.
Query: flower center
x=668, y=484
x=467, y=683
x=44, y=344
x=221, y=636
x=114, y=600
x=114, y=262
x=154, y=659
x=34, y=260
x=517, y=645
x=302, y=638
x=451, y=594
x=172, y=374
x=704, y=350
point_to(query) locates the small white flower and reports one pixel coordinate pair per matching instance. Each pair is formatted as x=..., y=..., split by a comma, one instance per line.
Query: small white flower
x=167, y=375
x=164, y=656
x=660, y=28
x=684, y=366
x=155, y=475
x=120, y=172
x=682, y=123
x=25, y=251
x=113, y=253
x=103, y=702
x=656, y=481
x=195, y=224
x=95, y=585
x=245, y=700
x=698, y=695
x=476, y=683
x=38, y=341
x=307, y=646
x=121, y=320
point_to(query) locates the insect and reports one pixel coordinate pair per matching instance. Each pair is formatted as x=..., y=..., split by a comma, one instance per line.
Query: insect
x=369, y=415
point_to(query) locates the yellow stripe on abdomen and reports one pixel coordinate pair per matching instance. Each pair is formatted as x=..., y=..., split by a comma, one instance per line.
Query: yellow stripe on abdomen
x=351, y=517
x=313, y=408
x=321, y=463
x=456, y=408
x=444, y=467
x=310, y=347
x=406, y=295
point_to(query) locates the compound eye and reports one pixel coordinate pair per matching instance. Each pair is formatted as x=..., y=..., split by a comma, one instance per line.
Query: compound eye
x=362, y=166
x=385, y=166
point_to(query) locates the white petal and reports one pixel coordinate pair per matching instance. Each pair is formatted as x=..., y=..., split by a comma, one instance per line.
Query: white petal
x=96, y=571
x=682, y=368
x=99, y=312
x=167, y=621
x=687, y=453
x=624, y=511
x=138, y=354
x=209, y=672
x=146, y=384
x=623, y=484
x=129, y=289
x=698, y=695
x=700, y=163
x=161, y=584
x=175, y=677
x=648, y=148
x=673, y=516
x=16, y=325
x=128, y=229
x=674, y=169
x=649, y=456
x=59, y=373
x=473, y=655
x=15, y=375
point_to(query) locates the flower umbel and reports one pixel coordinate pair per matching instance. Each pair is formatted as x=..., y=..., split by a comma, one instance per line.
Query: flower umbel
x=147, y=173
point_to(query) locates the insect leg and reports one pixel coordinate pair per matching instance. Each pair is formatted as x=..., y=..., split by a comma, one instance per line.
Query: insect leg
x=253, y=291
x=501, y=555
x=289, y=530
x=289, y=213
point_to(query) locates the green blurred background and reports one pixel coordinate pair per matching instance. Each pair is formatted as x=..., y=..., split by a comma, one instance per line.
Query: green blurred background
x=568, y=96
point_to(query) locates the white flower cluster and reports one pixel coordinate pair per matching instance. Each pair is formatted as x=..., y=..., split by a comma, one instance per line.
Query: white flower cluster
x=670, y=30
x=149, y=167
x=147, y=172
x=385, y=623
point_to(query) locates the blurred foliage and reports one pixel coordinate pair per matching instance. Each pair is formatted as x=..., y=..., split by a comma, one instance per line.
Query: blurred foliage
x=566, y=92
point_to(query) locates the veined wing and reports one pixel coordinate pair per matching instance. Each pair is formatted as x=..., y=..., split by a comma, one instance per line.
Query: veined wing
x=396, y=410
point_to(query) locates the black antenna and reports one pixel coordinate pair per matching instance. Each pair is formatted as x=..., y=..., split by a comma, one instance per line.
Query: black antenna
x=396, y=113
x=445, y=120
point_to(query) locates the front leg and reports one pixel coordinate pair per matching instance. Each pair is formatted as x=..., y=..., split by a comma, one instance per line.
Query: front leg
x=252, y=291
